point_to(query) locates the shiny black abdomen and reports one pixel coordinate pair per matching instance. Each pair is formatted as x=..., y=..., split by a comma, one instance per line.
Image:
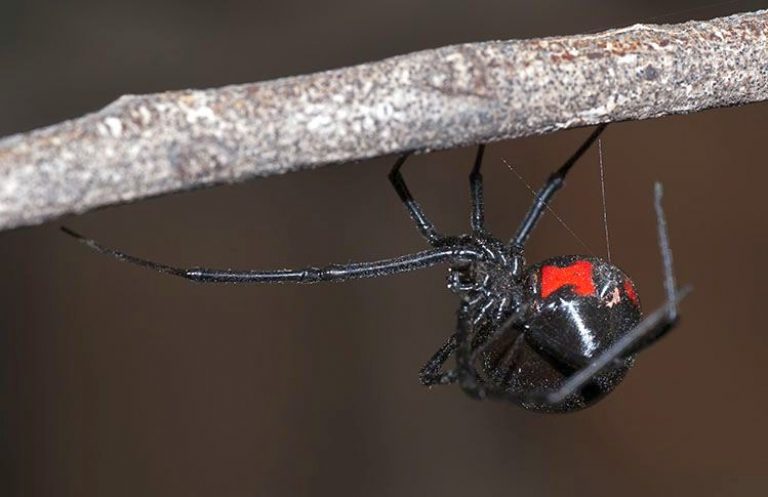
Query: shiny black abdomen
x=579, y=306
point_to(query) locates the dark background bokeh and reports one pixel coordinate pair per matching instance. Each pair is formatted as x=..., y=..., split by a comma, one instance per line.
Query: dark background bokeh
x=118, y=381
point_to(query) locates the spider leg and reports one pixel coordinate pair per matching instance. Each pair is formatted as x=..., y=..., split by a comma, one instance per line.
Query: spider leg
x=431, y=373
x=648, y=331
x=334, y=272
x=670, y=286
x=553, y=184
x=476, y=190
x=467, y=376
x=512, y=322
x=467, y=350
x=424, y=225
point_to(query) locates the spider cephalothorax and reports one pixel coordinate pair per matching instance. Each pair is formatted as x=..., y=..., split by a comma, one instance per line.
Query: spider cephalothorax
x=491, y=283
x=556, y=336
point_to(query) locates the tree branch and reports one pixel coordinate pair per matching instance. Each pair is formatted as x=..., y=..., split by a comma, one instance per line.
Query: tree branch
x=141, y=146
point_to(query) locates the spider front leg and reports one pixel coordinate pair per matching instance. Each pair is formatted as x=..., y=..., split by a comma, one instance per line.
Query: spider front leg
x=306, y=275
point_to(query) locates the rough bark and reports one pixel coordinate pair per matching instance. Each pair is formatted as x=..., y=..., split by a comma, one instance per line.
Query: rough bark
x=141, y=146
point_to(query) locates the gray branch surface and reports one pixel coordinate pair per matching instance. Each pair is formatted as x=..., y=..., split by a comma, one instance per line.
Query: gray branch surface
x=141, y=146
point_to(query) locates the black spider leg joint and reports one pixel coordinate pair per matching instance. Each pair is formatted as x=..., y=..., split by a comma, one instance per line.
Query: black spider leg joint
x=424, y=225
x=553, y=184
x=431, y=373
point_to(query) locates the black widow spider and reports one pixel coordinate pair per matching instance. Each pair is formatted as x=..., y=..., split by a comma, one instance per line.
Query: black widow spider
x=556, y=336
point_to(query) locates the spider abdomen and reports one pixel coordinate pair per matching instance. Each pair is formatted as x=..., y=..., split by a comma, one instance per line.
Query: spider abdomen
x=579, y=306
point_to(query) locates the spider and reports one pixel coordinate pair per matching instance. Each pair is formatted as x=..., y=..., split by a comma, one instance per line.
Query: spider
x=556, y=336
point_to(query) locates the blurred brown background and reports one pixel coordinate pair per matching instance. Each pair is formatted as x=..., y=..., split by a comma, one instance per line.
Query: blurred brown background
x=117, y=381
